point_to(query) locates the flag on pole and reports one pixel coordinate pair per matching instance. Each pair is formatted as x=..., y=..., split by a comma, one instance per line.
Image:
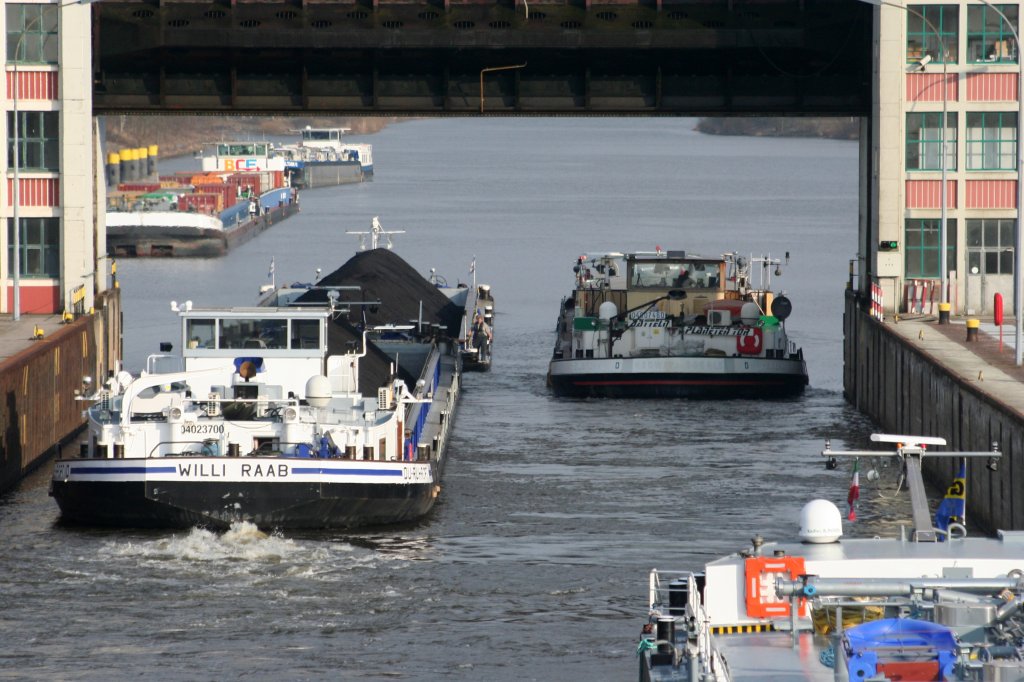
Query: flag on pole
x=854, y=494
x=271, y=273
x=953, y=507
x=472, y=265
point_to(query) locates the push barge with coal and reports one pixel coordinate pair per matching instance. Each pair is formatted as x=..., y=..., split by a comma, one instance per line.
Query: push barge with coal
x=668, y=324
x=332, y=412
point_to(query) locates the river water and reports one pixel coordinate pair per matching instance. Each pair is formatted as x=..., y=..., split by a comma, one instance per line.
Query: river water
x=533, y=564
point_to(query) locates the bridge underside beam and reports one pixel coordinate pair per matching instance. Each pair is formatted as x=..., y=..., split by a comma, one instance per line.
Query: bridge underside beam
x=413, y=59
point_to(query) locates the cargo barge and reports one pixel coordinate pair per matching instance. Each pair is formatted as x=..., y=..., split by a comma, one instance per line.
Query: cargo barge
x=322, y=158
x=332, y=412
x=674, y=325
x=241, y=191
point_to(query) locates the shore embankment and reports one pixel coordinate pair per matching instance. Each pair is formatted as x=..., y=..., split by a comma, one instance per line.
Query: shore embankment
x=839, y=128
x=182, y=135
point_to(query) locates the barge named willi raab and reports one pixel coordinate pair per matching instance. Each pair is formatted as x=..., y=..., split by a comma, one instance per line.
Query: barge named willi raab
x=332, y=412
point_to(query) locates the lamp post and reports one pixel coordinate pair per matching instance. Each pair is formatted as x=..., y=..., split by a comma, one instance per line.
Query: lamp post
x=944, y=293
x=1018, y=244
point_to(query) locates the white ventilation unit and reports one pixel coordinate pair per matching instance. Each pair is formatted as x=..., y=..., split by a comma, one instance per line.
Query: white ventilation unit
x=719, y=318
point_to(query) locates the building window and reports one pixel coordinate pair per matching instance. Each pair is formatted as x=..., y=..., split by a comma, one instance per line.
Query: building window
x=989, y=37
x=922, y=240
x=924, y=143
x=40, y=247
x=38, y=140
x=992, y=141
x=923, y=21
x=32, y=34
x=990, y=244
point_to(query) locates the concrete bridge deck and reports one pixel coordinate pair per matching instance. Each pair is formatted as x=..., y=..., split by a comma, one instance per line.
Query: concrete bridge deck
x=471, y=57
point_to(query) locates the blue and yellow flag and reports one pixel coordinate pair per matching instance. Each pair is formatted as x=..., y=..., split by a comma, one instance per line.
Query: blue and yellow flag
x=952, y=509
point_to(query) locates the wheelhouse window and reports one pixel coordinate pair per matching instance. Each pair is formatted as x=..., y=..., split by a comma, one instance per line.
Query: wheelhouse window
x=922, y=247
x=319, y=135
x=989, y=36
x=990, y=245
x=685, y=275
x=925, y=25
x=39, y=247
x=201, y=333
x=992, y=141
x=924, y=141
x=242, y=149
x=253, y=333
x=305, y=334
x=31, y=33
x=38, y=140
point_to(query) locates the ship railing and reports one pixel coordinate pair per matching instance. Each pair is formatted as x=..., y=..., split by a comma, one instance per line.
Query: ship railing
x=211, y=447
x=678, y=594
x=161, y=363
x=263, y=408
x=168, y=407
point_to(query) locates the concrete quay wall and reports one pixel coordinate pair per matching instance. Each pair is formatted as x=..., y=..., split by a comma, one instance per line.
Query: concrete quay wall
x=909, y=390
x=38, y=409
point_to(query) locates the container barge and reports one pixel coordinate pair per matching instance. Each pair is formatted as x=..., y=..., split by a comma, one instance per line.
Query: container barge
x=241, y=191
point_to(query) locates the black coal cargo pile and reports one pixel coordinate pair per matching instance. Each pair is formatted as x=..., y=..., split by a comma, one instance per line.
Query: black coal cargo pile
x=385, y=278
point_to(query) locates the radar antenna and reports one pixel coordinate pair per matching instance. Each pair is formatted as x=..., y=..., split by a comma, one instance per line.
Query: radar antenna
x=911, y=450
x=377, y=234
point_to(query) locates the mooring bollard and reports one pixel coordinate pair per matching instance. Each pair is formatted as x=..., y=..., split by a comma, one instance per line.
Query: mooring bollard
x=943, y=313
x=972, y=329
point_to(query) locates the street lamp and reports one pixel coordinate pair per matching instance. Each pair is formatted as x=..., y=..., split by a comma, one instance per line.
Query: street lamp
x=944, y=293
x=1018, y=245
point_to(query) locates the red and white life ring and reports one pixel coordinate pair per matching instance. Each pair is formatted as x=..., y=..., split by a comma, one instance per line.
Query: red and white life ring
x=760, y=578
x=752, y=343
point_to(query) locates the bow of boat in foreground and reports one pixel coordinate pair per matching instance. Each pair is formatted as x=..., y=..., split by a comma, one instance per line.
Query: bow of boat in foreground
x=932, y=604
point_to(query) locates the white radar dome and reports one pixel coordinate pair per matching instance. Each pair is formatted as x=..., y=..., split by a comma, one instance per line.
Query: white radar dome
x=318, y=391
x=820, y=522
x=607, y=311
x=750, y=313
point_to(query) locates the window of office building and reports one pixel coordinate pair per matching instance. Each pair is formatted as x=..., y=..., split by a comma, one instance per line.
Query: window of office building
x=39, y=247
x=32, y=33
x=990, y=244
x=992, y=140
x=989, y=36
x=924, y=141
x=922, y=247
x=38, y=140
x=925, y=24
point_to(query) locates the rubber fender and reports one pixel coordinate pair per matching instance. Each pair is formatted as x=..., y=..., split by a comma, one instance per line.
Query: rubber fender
x=782, y=307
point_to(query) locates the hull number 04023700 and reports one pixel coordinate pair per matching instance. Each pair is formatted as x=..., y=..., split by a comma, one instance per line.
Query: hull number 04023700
x=202, y=428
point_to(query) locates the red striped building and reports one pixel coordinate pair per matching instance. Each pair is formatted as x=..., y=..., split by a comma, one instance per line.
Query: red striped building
x=961, y=62
x=55, y=166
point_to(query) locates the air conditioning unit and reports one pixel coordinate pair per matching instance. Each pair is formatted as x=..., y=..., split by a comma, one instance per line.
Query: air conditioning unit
x=213, y=407
x=384, y=398
x=719, y=318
